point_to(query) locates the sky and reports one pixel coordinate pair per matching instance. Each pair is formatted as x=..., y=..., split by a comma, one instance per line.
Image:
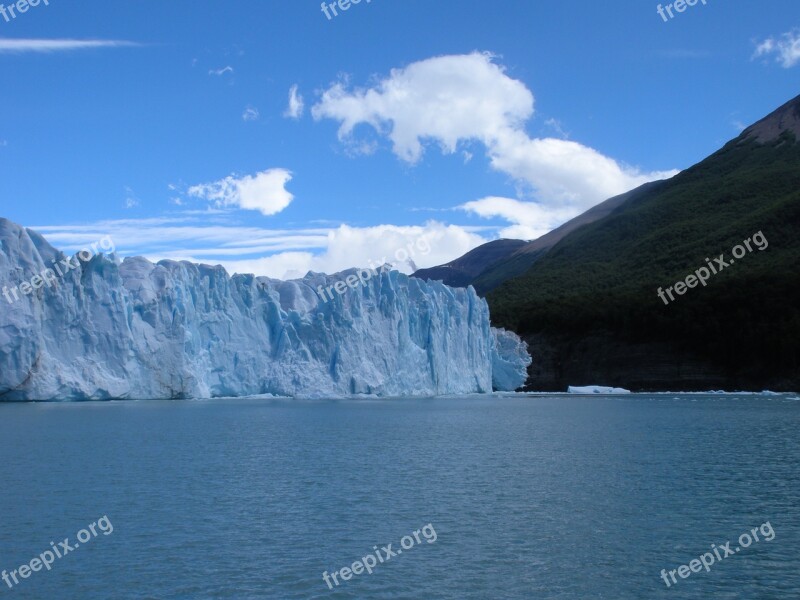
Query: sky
x=275, y=137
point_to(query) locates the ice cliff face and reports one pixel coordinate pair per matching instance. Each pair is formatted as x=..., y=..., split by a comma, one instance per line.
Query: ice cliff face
x=134, y=329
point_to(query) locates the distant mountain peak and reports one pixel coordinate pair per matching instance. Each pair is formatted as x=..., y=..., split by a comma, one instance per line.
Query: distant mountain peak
x=771, y=127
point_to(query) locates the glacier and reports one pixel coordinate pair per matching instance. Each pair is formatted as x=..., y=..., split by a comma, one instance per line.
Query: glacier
x=133, y=329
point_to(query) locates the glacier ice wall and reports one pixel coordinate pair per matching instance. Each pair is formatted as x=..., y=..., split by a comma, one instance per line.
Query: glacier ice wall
x=135, y=330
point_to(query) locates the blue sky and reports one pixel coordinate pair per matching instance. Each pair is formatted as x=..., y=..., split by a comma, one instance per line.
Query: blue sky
x=439, y=124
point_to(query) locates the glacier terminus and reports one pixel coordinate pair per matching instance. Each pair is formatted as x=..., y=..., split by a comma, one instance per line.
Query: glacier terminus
x=132, y=329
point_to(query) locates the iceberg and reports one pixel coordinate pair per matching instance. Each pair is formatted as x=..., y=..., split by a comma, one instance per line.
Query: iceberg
x=596, y=389
x=510, y=360
x=133, y=329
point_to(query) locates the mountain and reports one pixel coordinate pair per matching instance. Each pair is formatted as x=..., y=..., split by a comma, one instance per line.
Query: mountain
x=784, y=120
x=524, y=258
x=593, y=307
x=463, y=271
x=91, y=327
x=489, y=265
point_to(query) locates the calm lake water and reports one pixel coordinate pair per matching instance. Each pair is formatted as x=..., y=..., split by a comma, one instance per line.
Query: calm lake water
x=529, y=497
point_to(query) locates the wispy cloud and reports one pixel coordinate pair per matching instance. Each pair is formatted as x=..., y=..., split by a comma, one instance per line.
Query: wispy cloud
x=19, y=46
x=131, y=201
x=282, y=253
x=556, y=126
x=296, y=104
x=221, y=72
x=250, y=114
x=785, y=48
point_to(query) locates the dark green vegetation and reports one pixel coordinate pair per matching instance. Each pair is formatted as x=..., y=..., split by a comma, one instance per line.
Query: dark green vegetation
x=489, y=265
x=526, y=256
x=589, y=305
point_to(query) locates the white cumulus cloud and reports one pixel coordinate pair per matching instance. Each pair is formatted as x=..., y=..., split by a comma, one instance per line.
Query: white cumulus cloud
x=453, y=100
x=530, y=220
x=785, y=48
x=445, y=99
x=265, y=191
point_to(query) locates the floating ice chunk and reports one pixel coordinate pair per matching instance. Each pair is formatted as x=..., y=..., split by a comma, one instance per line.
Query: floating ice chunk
x=510, y=361
x=596, y=389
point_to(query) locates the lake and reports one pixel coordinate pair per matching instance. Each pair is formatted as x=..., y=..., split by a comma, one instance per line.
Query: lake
x=504, y=496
